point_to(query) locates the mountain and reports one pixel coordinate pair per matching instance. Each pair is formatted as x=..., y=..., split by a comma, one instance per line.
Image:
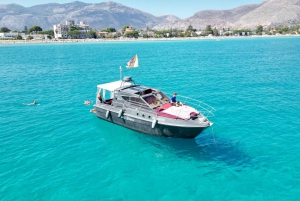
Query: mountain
x=268, y=13
x=98, y=16
x=273, y=13
x=110, y=14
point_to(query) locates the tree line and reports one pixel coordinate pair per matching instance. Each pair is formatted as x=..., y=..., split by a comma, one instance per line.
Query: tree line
x=111, y=32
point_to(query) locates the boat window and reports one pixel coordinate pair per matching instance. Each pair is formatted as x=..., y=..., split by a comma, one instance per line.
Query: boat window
x=152, y=101
x=139, y=89
x=125, y=98
x=161, y=96
x=148, y=91
x=137, y=100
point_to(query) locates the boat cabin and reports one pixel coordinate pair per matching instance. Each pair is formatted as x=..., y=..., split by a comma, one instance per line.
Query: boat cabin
x=128, y=91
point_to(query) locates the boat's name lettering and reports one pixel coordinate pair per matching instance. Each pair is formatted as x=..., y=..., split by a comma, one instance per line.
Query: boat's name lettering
x=128, y=118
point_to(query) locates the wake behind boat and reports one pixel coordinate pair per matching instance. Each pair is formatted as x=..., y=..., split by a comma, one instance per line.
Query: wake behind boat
x=148, y=110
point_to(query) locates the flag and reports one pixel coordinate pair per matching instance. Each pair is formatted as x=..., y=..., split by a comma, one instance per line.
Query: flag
x=133, y=63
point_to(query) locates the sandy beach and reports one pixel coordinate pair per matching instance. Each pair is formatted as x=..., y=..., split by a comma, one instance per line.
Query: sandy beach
x=4, y=42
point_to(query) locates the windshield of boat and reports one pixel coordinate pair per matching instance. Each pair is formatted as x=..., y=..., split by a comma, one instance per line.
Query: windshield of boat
x=152, y=100
x=162, y=97
x=137, y=100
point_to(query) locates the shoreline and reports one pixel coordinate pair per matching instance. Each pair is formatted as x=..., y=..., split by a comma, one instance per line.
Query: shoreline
x=4, y=42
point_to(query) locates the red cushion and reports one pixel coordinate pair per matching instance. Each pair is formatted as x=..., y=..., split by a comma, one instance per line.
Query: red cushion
x=166, y=106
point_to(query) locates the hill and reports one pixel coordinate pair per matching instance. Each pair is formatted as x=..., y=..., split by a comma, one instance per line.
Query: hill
x=98, y=16
x=268, y=13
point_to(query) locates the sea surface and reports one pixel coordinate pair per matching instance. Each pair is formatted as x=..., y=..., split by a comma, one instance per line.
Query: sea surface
x=58, y=150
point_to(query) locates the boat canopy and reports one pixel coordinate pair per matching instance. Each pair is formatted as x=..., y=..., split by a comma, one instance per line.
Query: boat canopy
x=111, y=86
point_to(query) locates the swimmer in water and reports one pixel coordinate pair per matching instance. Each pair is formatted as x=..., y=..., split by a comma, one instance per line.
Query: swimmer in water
x=33, y=103
x=87, y=102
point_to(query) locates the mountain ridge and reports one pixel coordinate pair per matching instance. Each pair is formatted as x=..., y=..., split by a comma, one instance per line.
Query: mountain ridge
x=98, y=16
x=269, y=13
x=111, y=14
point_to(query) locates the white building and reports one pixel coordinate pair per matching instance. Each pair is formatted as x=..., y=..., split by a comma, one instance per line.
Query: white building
x=198, y=33
x=10, y=35
x=221, y=32
x=37, y=36
x=129, y=29
x=13, y=35
x=61, y=30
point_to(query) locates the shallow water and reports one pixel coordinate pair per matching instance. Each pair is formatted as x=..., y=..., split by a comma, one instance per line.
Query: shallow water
x=58, y=150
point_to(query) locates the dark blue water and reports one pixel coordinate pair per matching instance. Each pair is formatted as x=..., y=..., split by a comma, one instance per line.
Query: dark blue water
x=58, y=150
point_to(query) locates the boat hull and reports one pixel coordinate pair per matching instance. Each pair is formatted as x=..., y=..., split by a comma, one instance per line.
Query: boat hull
x=148, y=126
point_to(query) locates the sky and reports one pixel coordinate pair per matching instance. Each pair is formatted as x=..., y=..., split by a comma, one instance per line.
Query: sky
x=180, y=8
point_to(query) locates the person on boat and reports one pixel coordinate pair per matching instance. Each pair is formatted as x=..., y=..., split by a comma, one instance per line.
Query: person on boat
x=178, y=103
x=173, y=98
x=100, y=98
x=173, y=101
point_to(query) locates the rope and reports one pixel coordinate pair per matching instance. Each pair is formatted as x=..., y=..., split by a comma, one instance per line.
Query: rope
x=212, y=129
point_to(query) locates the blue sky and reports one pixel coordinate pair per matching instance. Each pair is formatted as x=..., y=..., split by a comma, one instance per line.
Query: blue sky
x=180, y=8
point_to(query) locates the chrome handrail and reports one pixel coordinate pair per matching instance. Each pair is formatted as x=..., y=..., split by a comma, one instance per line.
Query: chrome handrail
x=202, y=107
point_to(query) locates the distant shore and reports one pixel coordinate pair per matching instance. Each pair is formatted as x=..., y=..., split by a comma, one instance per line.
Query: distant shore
x=3, y=42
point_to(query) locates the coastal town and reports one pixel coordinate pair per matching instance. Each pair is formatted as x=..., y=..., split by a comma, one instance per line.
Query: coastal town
x=78, y=31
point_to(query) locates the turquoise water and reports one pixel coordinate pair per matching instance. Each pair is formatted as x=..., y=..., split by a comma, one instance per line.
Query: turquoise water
x=60, y=151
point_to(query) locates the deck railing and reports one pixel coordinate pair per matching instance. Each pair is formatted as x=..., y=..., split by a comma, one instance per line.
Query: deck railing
x=205, y=109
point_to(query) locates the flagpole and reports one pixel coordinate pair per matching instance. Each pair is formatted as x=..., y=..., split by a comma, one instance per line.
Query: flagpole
x=139, y=72
x=121, y=73
x=140, y=76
